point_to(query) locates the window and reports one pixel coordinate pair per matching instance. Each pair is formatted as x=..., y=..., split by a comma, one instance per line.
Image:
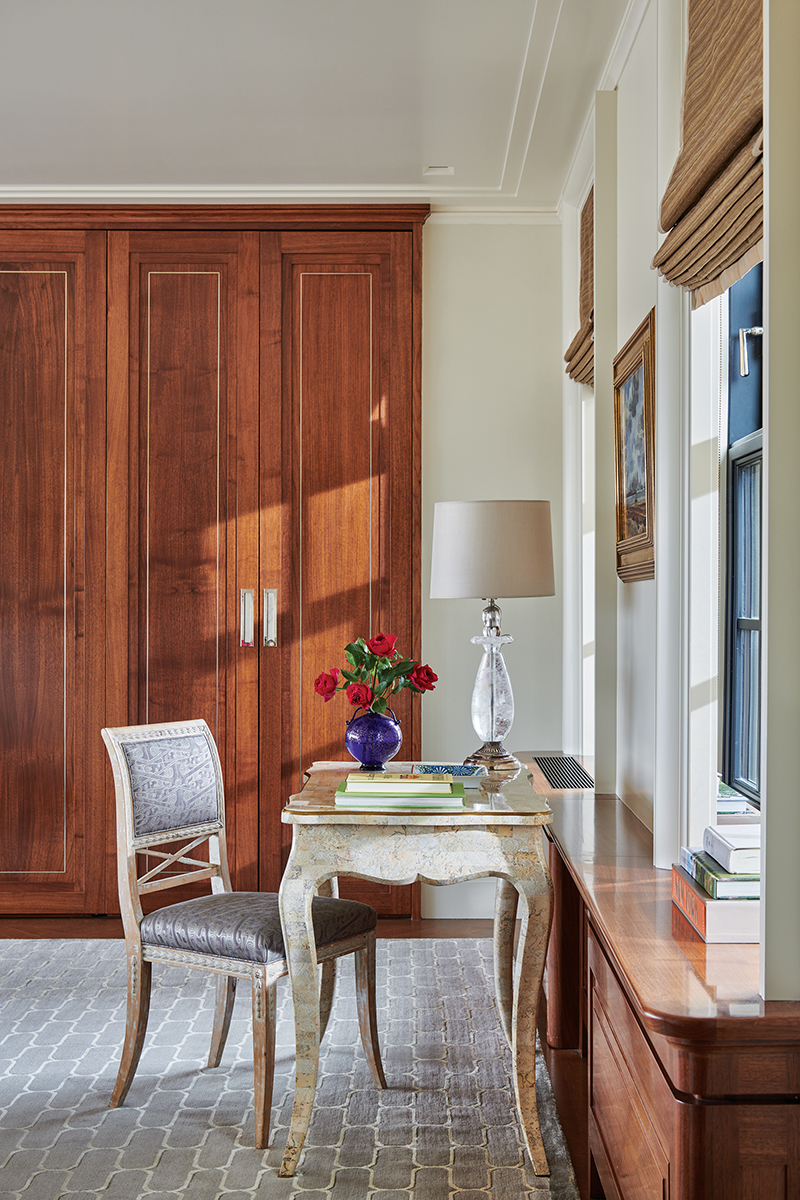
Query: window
x=742, y=717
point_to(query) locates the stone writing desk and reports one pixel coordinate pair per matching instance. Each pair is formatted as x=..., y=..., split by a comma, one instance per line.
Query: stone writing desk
x=495, y=834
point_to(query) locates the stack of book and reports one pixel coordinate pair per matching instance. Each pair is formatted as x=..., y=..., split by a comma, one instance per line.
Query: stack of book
x=717, y=886
x=391, y=789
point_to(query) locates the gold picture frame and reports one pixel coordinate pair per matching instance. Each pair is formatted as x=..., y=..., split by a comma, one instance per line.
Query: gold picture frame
x=634, y=451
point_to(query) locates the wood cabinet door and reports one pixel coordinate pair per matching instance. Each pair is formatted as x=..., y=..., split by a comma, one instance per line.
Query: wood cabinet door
x=340, y=463
x=52, y=552
x=183, y=498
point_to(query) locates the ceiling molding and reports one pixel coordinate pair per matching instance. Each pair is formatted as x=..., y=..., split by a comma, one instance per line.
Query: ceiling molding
x=581, y=170
x=233, y=193
x=497, y=216
x=626, y=36
x=537, y=59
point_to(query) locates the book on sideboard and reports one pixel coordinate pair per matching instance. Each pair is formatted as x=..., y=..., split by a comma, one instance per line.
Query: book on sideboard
x=720, y=884
x=737, y=848
x=715, y=920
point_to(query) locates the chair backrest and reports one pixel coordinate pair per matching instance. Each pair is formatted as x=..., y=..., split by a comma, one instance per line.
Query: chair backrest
x=168, y=783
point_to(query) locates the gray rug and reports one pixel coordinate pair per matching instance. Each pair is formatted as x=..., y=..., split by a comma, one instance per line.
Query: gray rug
x=446, y=1127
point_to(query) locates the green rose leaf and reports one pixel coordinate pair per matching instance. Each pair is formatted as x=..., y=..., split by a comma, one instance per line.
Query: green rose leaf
x=355, y=652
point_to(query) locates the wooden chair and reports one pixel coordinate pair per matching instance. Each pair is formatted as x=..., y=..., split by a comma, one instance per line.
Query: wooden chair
x=169, y=789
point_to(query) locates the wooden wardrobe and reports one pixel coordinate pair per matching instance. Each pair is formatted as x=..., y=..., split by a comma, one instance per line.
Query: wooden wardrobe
x=210, y=483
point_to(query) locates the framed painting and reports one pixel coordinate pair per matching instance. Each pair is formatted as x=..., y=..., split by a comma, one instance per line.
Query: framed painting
x=634, y=418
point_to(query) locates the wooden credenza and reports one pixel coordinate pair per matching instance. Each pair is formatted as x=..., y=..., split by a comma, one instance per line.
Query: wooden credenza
x=691, y=1081
x=207, y=411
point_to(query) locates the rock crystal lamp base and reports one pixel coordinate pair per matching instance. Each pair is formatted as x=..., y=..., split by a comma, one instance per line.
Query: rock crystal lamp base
x=493, y=700
x=498, y=762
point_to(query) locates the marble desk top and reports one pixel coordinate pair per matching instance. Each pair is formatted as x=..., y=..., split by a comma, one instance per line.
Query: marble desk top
x=515, y=803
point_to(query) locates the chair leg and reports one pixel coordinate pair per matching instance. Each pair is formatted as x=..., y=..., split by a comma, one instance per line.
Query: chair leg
x=263, y=1053
x=223, y=1010
x=139, y=977
x=367, y=1010
x=326, y=994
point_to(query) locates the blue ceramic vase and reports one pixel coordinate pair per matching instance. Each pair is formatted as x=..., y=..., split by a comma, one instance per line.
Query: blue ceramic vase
x=373, y=739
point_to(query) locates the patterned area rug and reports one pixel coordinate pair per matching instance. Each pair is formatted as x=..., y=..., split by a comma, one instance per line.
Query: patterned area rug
x=445, y=1128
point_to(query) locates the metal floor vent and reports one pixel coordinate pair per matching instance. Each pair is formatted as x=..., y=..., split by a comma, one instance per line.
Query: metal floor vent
x=563, y=772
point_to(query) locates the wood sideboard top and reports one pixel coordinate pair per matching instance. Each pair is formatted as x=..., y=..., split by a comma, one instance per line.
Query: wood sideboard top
x=681, y=986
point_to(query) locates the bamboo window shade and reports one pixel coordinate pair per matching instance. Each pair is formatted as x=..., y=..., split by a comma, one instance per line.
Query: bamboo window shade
x=712, y=210
x=580, y=353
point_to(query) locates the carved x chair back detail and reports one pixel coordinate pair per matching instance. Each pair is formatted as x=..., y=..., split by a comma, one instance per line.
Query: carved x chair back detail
x=170, y=801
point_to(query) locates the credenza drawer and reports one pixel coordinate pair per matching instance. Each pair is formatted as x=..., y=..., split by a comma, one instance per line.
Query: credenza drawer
x=630, y=1105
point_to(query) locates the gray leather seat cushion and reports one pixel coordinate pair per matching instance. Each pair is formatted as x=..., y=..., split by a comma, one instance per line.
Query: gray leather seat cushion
x=247, y=925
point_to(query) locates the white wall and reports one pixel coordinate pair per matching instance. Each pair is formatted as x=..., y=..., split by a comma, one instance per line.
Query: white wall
x=491, y=430
x=637, y=283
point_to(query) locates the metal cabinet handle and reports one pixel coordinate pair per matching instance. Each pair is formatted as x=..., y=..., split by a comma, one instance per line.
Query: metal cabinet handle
x=247, y=606
x=744, y=364
x=270, y=616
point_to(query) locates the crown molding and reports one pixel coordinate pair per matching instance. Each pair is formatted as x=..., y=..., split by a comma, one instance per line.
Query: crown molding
x=426, y=193
x=213, y=216
x=496, y=216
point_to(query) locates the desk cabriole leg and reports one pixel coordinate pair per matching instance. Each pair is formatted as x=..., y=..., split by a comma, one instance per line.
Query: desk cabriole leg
x=536, y=897
x=505, y=915
x=295, y=905
x=367, y=1009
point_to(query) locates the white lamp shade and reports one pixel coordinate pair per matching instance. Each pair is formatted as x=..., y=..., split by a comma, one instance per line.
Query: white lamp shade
x=492, y=549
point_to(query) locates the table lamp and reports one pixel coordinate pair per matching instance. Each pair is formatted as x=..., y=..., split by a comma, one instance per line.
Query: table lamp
x=492, y=549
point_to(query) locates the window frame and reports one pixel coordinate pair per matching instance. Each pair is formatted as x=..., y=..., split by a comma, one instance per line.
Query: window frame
x=745, y=451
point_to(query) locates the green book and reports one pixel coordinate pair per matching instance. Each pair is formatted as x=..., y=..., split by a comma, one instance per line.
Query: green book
x=400, y=799
x=714, y=879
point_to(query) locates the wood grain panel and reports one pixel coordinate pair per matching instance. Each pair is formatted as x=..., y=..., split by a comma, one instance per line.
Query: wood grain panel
x=565, y=958
x=51, y=573
x=37, y=502
x=621, y=1123
x=182, y=517
x=341, y=353
x=608, y=1001
x=340, y=489
x=191, y=496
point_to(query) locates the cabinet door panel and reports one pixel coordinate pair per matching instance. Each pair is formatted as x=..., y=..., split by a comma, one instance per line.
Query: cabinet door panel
x=52, y=819
x=182, y=518
x=338, y=528
x=184, y=319
x=341, y=371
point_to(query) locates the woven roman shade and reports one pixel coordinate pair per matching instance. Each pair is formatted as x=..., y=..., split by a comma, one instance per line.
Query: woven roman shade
x=580, y=353
x=713, y=205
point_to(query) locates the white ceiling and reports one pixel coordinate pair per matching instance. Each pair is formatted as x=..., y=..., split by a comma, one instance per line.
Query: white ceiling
x=275, y=100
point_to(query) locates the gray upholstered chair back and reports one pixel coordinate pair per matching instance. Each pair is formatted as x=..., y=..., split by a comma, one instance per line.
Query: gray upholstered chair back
x=174, y=778
x=168, y=784
x=174, y=781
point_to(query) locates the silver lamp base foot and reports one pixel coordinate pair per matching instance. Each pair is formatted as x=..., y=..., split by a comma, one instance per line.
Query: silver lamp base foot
x=498, y=762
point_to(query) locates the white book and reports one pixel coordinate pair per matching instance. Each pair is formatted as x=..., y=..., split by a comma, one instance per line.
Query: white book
x=737, y=848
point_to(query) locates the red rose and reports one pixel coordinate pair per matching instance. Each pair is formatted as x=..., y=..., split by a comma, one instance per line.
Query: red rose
x=325, y=684
x=359, y=694
x=423, y=678
x=382, y=644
